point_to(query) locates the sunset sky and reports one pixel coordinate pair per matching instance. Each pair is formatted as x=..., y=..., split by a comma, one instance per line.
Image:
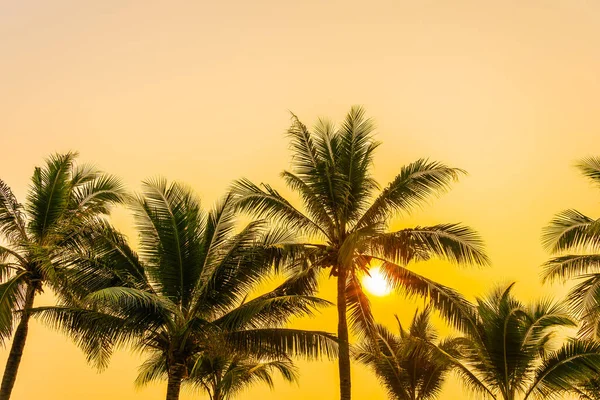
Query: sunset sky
x=199, y=92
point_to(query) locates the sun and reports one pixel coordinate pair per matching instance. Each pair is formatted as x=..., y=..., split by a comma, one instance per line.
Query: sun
x=376, y=283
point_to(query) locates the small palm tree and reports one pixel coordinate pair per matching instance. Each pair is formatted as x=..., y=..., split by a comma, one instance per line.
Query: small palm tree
x=574, y=239
x=508, y=350
x=63, y=202
x=411, y=365
x=344, y=228
x=187, y=291
x=223, y=375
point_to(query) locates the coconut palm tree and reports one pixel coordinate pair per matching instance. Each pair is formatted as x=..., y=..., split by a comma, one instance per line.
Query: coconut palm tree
x=223, y=375
x=344, y=225
x=187, y=290
x=510, y=351
x=411, y=365
x=64, y=200
x=574, y=239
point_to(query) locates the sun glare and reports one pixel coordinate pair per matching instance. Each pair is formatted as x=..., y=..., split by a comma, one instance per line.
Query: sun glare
x=376, y=283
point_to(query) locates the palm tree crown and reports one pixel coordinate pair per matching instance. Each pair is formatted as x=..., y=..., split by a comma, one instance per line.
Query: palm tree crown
x=186, y=291
x=344, y=228
x=411, y=365
x=63, y=203
x=574, y=239
x=508, y=351
x=224, y=374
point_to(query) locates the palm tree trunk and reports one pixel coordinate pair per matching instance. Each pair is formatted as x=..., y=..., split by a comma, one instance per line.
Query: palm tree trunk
x=344, y=347
x=18, y=344
x=174, y=383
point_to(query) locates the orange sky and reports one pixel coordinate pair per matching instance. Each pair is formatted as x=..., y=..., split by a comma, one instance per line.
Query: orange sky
x=198, y=91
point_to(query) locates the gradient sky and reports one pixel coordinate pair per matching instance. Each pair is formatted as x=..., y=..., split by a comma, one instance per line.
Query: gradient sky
x=198, y=91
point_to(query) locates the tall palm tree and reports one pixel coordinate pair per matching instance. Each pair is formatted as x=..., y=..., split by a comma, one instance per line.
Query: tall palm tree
x=574, y=239
x=411, y=365
x=509, y=350
x=344, y=226
x=187, y=290
x=63, y=202
x=223, y=375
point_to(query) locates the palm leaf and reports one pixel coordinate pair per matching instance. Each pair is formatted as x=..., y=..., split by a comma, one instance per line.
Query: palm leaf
x=415, y=184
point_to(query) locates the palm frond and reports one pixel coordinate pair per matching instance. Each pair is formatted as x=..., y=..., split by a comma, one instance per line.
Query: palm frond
x=12, y=299
x=171, y=224
x=571, y=230
x=285, y=342
x=590, y=168
x=47, y=200
x=96, y=333
x=452, y=305
x=453, y=242
x=269, y=310
x=268, y=203
x=360, y=315
x=415, y=184
x=570, y=266
x=574, y=364
x=355, y=159
x=12, y=219
x=153, y=369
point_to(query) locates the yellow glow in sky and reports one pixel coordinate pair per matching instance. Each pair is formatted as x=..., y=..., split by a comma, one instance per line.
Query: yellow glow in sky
x=375, y=283
x=199, y=91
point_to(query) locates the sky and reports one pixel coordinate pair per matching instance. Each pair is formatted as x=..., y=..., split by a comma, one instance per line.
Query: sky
x=200, y=92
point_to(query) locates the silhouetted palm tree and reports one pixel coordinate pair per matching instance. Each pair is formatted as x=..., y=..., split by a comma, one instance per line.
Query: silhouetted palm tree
x=574, y=239
x=63, y=202
x=187, y=290
x=345, y=225
x=508, y=350
x=224, y=374
x=411, y=365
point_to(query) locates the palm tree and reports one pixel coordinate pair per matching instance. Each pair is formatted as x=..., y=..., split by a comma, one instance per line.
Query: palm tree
x=509, y=350
x=224, y=374
x=344, y=228
x=187, y=291
x=411, y=365
x=63, y=202
x=574, y=239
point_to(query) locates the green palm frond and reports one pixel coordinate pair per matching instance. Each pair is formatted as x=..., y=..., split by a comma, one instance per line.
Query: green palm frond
x=96, y=333
x=573, y=364
x=456, y=243
x=359, y=308
x=269, y=310
x=12, y=298
x=49, y=194
x=355, y=159
x=314, y=202
x=170, y=222
x=571, y=230
x=12, y=218
x=453, y=307
x=590, y=168
x=570, y=266
x=415, y=184
x=153, y=369
x=95, y=194
x=130, y=302
x=268, y=203
x=285, y=342
x=584, y=299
